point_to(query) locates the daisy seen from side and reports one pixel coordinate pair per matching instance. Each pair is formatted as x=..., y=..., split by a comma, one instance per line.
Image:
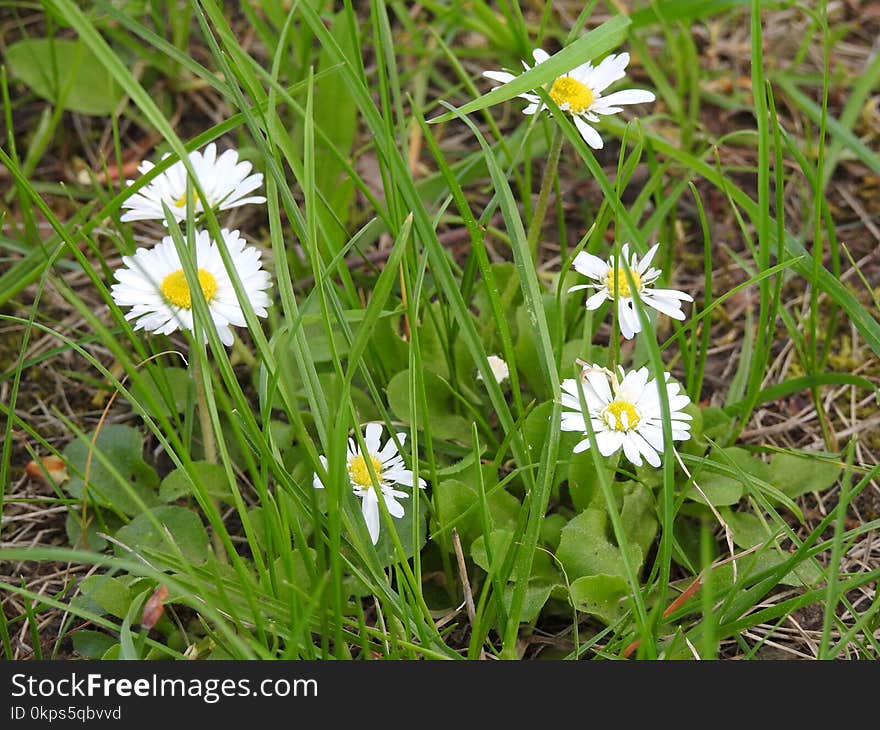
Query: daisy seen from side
x=154, y=285
x=226, y=181
x=624, y=411
x=612, y=284
x=579, y=92
x=389, y=468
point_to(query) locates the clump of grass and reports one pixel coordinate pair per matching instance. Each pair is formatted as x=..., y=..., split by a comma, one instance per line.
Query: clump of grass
x=419, y=232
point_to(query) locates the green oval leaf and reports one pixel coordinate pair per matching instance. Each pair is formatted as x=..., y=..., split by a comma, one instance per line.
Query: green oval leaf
x=119, y=478
x=584, y=548
x=64, y=72
x=212, y=478
x=178, y=524
x=92, y=644
x=111, y=594
x=796, y=475
x=600, y=596
x=458, y=504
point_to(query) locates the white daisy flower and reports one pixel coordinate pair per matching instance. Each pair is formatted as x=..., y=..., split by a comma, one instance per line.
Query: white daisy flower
x=389, y=468
x=499, y=367
x=154, y=285
x=225, y=180
x=612, y=284
x=624, y=414
x=579, y=92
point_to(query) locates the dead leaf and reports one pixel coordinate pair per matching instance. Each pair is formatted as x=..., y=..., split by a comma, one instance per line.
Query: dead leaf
x=49, y=468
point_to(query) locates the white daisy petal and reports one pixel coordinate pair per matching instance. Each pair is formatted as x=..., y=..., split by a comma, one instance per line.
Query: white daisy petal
x=630, y=450
x=651, y=455
x=389, y=450
x=629, y=324
x=573, y=422
x=599, y=382
x=646, y=260
x=671, y=294
x=540, y=55
x=595, y=301
x=582, y=73
x=626, y=96
x=570, y=386
x=611, y=69
x=316, y=480
x=590, y=135
x=501, y=77
x=405, y=478
x=372, y=433
x=395, y=508
x=570, y=401
x=670, y=308
x=370, y=510
x=572, y=390
x=609, y=442
x=226, y=336
x=590, y=266
x=653, y=435
x=633, y=384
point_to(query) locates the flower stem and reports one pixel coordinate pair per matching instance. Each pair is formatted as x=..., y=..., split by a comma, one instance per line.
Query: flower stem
x=540, y=212
x=209, y=444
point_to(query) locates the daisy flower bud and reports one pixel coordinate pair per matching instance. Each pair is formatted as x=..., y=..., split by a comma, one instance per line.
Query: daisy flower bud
x=500, y=369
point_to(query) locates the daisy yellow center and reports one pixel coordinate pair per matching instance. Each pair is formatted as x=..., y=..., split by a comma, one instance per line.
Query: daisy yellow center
x=578, y=96
x=176, y=290
x=618, y=285
x=360, y=473
x=181, y=201
x=621, y=416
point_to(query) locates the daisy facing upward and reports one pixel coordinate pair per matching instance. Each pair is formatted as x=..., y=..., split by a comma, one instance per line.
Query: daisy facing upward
x=612, y=284
x=624, y=413
x=579, y=92
x=226, y=181
x=154, y=285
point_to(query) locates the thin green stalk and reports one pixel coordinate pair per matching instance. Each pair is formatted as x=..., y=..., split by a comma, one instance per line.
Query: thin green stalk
x=833, y=593
x=818, y=243
x=547, y=180
x=209, y=441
